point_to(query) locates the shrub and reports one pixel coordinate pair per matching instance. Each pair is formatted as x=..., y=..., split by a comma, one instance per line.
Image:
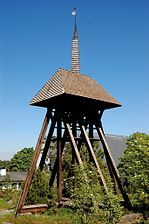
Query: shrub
x=134, y=170
x=89, y=199
x=39, y=189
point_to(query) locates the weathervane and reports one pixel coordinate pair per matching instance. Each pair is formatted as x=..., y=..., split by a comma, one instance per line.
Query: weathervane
x=74, y=13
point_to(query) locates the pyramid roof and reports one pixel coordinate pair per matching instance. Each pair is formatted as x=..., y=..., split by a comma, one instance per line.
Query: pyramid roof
x=67, y=83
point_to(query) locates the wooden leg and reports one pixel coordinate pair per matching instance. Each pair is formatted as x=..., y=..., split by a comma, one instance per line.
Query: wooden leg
x=94, y=159
x=74, y=131
x=54, y=170
x=112, y=175
x=80, y=142
x=48, y=141
x=33, y=164
x=59, y=156
x=73, y=143
x=112, y=164
x=91, y=135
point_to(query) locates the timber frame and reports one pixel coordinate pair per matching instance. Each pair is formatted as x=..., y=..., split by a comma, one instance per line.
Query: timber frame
x=76, y=128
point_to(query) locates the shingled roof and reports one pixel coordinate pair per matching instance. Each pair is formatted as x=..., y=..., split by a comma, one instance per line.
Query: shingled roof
x=67, y=83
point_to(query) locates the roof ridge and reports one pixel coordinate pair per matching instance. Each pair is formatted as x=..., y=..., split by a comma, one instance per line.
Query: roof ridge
x=116, y=135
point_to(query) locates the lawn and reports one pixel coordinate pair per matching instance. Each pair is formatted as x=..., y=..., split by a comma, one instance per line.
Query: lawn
x=3, y=204
x=34, y=219
x=64, y=218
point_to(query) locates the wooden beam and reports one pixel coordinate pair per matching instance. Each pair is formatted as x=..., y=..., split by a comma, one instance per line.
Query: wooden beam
x=40, y=208
x=95, y=161
x=100, y=114
x=81, y=138
x=116, y=189
x=107, y=158
x=91, y=135
x=74, y=145
x=59, y=156
x=48, y=140
x=33, y=163
x=54, y=170
x=113, y=165
x=74, y=131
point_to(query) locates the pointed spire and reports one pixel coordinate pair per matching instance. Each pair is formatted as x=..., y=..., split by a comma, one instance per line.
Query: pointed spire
x=75, y=65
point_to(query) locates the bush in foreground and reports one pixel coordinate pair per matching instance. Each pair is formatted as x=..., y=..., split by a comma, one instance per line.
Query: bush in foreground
x=134, y=170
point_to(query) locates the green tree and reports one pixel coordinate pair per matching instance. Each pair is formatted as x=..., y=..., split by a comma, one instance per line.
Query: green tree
x=39, y=189
x=134, y=170
x=21, y=160
x=5, y=163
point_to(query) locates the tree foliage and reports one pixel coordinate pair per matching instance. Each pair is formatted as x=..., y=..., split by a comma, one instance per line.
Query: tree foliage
x=21, y=160
x=83, y=186
x=89, y=199
x=134, y=169
x=39, y=189
x=5, y=163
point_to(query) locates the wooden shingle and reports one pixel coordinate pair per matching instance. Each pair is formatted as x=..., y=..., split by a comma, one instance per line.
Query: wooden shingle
x=69, y=84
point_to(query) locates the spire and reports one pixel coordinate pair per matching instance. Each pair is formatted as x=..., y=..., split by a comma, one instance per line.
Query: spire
x=75, y=66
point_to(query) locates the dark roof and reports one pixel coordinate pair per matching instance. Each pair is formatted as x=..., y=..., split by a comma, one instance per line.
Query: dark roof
x=14, y=176
x=117, y=145
x=67, y=83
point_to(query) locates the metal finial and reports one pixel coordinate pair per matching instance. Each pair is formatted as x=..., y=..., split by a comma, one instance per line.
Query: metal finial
x=74, y=13
x=75, y=33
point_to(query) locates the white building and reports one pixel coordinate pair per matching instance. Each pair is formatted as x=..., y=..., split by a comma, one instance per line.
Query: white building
x=11, y=180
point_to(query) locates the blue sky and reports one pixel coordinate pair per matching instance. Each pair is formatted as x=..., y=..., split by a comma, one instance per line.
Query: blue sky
x=35, y=40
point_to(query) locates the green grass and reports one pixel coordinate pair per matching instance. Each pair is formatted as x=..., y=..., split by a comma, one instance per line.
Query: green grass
x=62, y=217
x=4, y=204
x=8, y=199
x=34, y=219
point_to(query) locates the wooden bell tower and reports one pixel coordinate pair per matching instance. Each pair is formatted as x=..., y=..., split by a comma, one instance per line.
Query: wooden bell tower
x=75, y=104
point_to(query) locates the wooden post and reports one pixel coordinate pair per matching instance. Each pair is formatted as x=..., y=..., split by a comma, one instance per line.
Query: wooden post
x=48, y=141
x=116, y=189
x=59, y=156
x=73, y=143
x=74, y=132
x=112, y=164
x=54, y=170
x=91, y=135
x=81, y=140
x=90, y=149
x=108, y=164
x=33, y=164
